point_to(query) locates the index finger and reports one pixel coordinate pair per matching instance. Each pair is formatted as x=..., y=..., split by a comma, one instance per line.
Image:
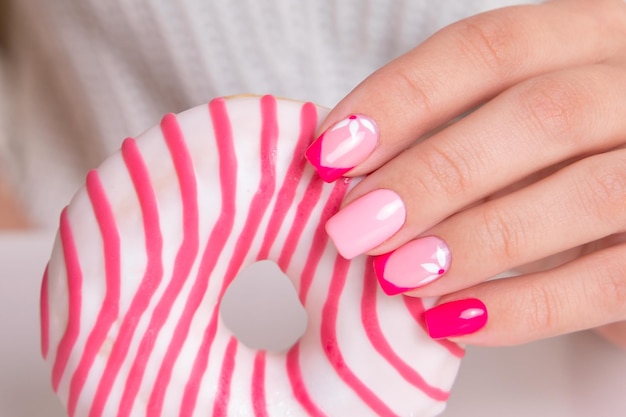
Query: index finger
x=455, y=70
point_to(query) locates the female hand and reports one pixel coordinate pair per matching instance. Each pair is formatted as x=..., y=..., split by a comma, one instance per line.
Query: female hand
x=535, y=175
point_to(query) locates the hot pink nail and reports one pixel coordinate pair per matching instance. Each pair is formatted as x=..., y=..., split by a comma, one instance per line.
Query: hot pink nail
x=366, y=222
x=413, y=265
x=456, y=318
x=343, y=146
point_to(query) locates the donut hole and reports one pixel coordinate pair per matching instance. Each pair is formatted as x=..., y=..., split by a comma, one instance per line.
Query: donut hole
x=261, y=308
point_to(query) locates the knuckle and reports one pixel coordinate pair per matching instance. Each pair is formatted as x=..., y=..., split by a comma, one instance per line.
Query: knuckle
x=610, y=284
x=491, y=41
x=413, y=88
x=448, y=173
x=603, y=187
x=542, y=312
x=502, y=234
x=554, y=107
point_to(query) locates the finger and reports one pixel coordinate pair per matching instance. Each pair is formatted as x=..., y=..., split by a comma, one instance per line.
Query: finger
x=538, y=123
x=11, y=215
x=563, y=257
x=458, y=68
x=614, y=333
x=586, y=293
x=580, y=204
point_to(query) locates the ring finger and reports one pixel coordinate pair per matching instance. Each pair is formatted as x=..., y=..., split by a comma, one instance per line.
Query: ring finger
x=583, y=294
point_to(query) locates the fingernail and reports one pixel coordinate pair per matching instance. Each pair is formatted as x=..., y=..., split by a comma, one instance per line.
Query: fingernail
x=366, y=222
x=456, y=318
x=413, y=265
x=343, y=146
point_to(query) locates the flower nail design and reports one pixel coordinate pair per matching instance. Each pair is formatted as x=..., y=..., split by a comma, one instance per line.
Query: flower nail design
x=438, y=267
x=343, y=146
x=413, y=265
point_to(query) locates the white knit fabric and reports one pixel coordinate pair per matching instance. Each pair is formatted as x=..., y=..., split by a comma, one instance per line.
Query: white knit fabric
x=80, y=75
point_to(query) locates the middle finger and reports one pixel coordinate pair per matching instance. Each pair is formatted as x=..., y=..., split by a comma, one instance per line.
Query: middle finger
x=538, y=123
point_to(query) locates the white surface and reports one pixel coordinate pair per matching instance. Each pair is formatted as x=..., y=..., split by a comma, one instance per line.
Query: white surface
x=574, y=376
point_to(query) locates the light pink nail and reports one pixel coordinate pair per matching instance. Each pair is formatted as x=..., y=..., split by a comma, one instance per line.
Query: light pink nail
x=413, y=265
x=366, y=222
x=343, y=146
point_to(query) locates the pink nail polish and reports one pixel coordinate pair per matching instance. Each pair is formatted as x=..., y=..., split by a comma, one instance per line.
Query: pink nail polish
x=456, y=318
x=343, y=146
x=366, y=222
x=413, y=265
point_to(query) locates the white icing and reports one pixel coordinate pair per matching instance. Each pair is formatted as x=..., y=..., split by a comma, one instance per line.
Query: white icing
x=325, y=387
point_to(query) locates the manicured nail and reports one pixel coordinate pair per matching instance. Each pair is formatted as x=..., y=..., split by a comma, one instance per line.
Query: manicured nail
x=413, y=265
x=366, y=222
x=456, y=318
x=343, y=146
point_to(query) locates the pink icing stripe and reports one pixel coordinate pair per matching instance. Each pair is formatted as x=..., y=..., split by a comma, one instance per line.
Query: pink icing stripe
x=259, y=404
x=320, y=240
x=258, y=207
x=416, y=308
x=219, y=235
x=152, y=277
x=222, y=396
x=44, y=315
x=331, y=345
x=110, y=305
x=298, y=387
x=303, y=213
x=184, y=168
x=266, y=188
x=74, y=286
x=308, y=124
x=371, y=325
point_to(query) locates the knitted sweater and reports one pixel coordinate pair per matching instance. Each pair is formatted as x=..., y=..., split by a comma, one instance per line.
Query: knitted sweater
x=78, y=76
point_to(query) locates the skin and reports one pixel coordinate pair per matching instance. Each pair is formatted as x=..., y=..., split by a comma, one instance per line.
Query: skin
x=11, y=215
x=532, y=178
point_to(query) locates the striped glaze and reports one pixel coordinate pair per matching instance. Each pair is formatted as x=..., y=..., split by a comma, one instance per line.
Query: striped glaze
x=130, y=321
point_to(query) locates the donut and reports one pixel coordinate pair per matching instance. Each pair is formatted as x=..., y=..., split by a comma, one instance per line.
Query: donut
x=148, y=246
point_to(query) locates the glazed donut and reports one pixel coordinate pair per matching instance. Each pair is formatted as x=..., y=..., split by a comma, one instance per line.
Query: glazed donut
x=130, y=318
